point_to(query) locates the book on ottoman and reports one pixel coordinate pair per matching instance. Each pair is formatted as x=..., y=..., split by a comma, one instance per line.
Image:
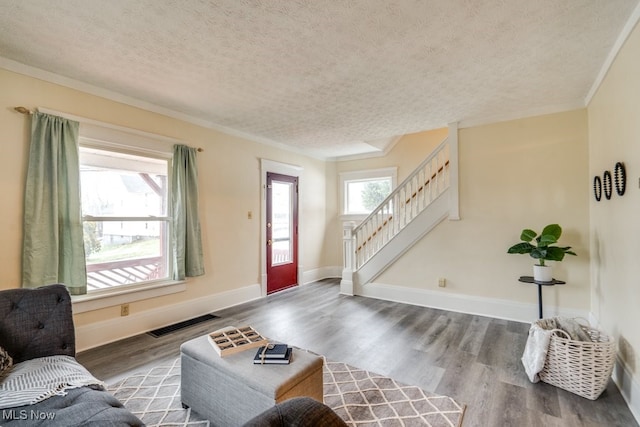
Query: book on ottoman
x=273, y=354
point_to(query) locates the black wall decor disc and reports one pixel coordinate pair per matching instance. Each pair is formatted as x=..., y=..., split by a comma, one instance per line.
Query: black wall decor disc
x=620, y=178
x=606, y=183
x=597, y=188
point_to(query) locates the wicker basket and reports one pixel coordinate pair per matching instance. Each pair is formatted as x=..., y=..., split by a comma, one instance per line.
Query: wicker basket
x=580, y=367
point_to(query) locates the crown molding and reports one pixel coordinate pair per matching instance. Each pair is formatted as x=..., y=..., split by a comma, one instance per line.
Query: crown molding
x=613, y=54
x=54, y=78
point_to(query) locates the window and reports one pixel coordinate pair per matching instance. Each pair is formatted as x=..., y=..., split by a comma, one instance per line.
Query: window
x=363, y=191
x=283, y=222
x=126, y=224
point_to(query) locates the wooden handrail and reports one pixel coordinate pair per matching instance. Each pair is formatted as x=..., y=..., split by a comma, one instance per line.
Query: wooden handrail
x=369, y=237
x=408, y=179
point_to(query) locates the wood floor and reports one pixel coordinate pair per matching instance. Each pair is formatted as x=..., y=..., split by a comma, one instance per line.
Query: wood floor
x=474, y=359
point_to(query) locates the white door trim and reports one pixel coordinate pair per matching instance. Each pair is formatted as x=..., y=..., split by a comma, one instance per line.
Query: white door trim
x=284, y=169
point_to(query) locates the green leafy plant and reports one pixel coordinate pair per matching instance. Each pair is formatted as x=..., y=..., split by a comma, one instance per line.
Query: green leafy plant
x=541, y=246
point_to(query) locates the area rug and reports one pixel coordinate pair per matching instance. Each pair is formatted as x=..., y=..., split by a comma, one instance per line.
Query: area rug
x=363, y=398
x=359, y=397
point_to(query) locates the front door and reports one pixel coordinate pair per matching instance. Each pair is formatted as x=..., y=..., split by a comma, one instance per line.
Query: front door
x=282, y=232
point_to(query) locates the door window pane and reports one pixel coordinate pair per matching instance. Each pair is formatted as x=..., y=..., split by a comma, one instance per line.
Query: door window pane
x=282, y=231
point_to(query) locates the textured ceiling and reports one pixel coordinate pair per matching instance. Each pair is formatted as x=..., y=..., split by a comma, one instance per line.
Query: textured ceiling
x=325, y=76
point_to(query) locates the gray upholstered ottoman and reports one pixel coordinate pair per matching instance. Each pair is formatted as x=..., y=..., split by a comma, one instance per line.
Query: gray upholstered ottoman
x=231, y=390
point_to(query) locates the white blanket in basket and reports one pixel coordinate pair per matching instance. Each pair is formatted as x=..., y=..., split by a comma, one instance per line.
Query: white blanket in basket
x=535, y=350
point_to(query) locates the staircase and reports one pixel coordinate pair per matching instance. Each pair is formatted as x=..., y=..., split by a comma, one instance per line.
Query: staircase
x=424, y=199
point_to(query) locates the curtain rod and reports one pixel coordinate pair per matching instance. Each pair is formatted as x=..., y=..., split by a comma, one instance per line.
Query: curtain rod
x=24, y=110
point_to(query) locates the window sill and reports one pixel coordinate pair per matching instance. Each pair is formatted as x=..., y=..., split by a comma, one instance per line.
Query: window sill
x=122, y=295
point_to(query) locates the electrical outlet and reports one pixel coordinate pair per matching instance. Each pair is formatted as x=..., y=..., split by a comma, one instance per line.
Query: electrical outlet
x=442, y=282
x=124, y=310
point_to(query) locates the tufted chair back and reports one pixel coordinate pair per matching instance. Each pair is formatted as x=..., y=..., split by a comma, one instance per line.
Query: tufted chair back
x=37, y=322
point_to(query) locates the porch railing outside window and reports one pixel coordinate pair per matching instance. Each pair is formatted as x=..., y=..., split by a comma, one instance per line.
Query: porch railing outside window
x=108, y=274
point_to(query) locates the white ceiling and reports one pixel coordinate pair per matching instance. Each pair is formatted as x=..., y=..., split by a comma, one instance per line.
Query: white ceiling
x=329, y=77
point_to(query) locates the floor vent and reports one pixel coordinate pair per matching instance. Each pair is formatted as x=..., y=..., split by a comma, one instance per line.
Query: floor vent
x=181, y=325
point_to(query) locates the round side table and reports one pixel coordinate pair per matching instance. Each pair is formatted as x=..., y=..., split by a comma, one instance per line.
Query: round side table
x=529, y=279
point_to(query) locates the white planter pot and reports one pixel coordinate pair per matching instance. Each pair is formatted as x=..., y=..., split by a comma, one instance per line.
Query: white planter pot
x=542, y=273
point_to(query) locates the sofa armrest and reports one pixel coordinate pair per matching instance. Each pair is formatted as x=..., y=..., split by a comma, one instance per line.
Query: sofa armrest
x=297, y=412
x=37, y=322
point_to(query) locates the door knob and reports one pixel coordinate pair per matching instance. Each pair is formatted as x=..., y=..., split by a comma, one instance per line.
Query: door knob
x=269, y=242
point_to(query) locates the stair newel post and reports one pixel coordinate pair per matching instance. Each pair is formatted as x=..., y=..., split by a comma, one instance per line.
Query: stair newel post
x=348, y=257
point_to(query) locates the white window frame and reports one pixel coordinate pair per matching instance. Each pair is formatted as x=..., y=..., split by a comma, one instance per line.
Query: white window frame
x=118, y=138
x=166, y=157
x=362, y=175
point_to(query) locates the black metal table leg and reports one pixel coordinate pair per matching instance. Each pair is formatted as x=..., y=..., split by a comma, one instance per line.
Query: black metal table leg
x=539, y=301
x=529, y=279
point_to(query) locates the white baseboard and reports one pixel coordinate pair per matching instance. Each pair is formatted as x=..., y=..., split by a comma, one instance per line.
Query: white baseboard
x=628, y=386
x=100, y=333
x=624, y=379
x=482, y=306
x=314, y=275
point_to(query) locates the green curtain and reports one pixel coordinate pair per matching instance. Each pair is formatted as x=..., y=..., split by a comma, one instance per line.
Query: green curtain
x=187, y=241
x=53, y=246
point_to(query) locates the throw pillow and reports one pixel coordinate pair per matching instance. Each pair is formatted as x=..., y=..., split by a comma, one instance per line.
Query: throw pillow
x=5, y=360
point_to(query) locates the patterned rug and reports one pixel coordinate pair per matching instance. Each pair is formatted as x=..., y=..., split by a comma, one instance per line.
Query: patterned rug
x=362, y=398
x=359, y=397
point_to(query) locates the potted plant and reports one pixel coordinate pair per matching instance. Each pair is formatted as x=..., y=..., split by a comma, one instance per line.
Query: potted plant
x=541, y=247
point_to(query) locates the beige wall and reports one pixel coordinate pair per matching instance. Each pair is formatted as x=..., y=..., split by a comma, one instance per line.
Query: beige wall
x=614, y=136
x=333, y=237
x=516, y=174
x=229, y=174
x=513, y=175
